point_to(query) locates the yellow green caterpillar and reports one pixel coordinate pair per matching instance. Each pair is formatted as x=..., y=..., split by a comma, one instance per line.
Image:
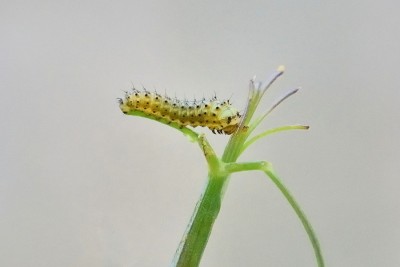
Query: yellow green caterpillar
x=218, y=116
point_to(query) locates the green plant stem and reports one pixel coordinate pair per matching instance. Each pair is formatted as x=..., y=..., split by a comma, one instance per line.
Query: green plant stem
x=266, y=167
x=306, y=224
x=196, y=236
x=195, y=239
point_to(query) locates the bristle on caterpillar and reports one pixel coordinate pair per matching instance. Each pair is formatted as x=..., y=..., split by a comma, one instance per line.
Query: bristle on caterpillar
x=218, y=116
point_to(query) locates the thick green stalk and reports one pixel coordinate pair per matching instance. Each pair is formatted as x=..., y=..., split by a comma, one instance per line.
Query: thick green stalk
x=195, y=239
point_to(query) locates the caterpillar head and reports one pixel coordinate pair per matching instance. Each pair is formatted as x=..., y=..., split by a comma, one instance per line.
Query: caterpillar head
x=228, y=118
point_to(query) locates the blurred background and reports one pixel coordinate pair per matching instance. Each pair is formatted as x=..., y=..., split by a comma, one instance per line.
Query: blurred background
x=83, y=185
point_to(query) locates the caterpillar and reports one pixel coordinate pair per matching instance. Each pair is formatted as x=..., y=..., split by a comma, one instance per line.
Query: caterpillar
x=218, y=116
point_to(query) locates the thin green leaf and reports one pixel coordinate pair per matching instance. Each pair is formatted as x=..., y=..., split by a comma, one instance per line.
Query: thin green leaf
x=272, y=131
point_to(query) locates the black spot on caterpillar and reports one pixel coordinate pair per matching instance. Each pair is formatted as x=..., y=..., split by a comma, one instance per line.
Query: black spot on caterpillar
x=218, y=116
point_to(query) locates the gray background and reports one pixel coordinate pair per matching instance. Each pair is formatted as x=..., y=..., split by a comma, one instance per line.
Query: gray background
x=83, y=185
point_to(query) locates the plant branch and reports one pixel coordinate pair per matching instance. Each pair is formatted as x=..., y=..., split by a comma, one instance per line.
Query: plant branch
x=266, y=167
x=192, y=135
